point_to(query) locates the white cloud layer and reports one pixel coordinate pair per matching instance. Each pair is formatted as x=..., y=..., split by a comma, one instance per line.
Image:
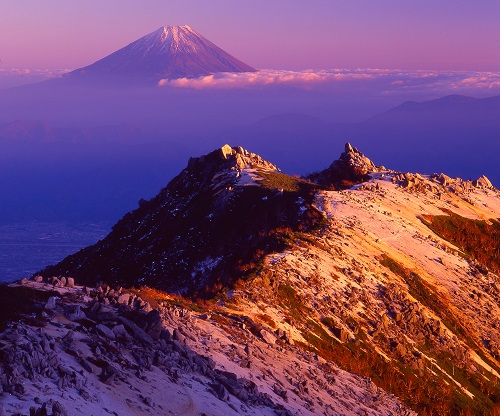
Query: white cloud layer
x=10, y=77
x=263, y=78
x=482, y=80
x=392, y=81
x=48, y=73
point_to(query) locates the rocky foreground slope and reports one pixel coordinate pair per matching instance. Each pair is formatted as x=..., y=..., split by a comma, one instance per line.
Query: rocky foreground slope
x=358, y=290
x=98, y=352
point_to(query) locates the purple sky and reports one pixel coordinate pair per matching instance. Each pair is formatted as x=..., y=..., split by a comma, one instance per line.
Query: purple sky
x=285, y=34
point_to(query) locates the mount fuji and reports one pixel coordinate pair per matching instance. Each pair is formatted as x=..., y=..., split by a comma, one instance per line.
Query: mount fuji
x=167, y=53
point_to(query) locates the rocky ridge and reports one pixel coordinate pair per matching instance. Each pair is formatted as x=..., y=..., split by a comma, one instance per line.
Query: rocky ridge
x=395, y=279
x=184, y=239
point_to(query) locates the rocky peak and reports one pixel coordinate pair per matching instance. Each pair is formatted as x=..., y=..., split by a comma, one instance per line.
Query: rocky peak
x=352, y=167
x=230, y=158
x=482, y=182
x=211, y=225
x=357, y=160
x=244, y=159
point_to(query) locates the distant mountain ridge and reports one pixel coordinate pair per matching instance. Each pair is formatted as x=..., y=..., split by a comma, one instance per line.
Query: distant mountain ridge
x=459, y=107
x=167, y=53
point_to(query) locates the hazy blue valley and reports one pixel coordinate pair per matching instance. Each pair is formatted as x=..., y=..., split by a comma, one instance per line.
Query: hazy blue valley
x=29, y=247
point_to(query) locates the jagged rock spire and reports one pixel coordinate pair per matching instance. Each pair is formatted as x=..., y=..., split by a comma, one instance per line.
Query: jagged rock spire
x=357, y=160
x=350, y=168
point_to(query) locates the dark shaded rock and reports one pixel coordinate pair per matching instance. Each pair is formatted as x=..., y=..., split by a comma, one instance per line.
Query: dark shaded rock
x=105, y=331
x=109, y=372
x=283, y=412
x=148, y=401
x=153, y=324
x=180, y=348
x=281, y=392
x=177, y=336
x=68, y=338
x=165, y=335
x=219, y=391
x=136, y=332
x=74, y=312
x=86, y=365
x=51, y=302
x=50, y=408
x=58, y=409
x=121, y=333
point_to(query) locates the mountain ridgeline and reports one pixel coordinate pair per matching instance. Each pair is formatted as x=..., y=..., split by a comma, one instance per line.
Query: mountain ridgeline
x=211, y=225
x=387, y=275
x=240, y=289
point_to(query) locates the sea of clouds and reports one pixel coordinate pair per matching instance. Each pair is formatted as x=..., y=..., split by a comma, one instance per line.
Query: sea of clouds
x=387, y=80
x=13, y=77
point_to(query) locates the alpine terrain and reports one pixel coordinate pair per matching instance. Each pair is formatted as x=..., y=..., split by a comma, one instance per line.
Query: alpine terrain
x=239, y=289
x=167, y=53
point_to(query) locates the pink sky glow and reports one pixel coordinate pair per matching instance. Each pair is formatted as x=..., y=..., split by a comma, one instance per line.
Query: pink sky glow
x=292, y=34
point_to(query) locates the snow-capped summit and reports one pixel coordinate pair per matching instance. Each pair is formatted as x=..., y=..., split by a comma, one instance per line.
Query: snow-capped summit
x=167, y=53
x=167, y=39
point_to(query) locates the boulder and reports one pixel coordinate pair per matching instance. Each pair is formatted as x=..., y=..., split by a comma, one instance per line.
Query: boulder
x=58, y=409
x=74, y=313
x=105, y=331
x=444, y=179
x=483, y=182
x=219, y=391
x=267, y=337
x=51, y=303
x=86, y=365
x=283, y=393
x=121, y=333
x=165, y=335
x=153, y=324
x=177, y=336
x=137, y=332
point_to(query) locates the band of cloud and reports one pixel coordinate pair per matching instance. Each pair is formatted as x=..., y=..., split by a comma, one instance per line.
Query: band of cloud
x=397, y=79
x=261, y=78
